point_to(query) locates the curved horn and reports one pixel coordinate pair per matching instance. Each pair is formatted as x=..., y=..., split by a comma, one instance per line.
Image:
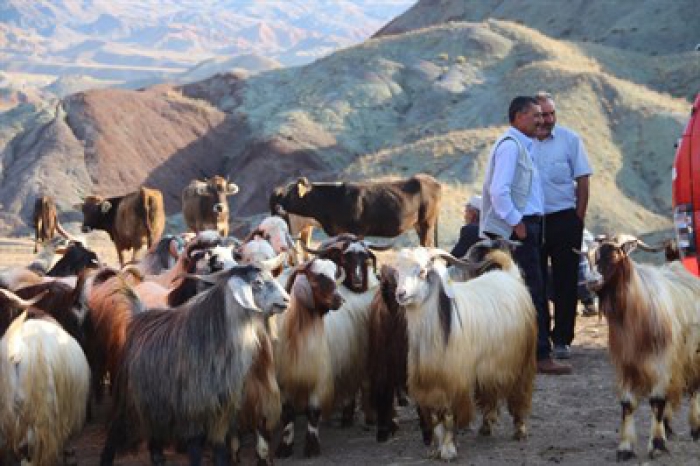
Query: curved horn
x=19, y=302
x=134, y=271
x=645, y=247
x=342, y=276
x=378, y=247
x=275, y=262
x=313, y=251
x=449, y=258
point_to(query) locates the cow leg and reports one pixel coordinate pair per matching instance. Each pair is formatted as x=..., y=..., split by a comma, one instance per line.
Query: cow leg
x=625, y=450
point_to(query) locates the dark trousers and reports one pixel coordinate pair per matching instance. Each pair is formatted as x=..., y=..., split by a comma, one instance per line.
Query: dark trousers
x=563, y=234
x=528, y=257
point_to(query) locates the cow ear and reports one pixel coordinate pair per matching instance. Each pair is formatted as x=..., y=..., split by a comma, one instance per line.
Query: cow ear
x=303, y=186
x=105, y=206
x=201, y=190
x=232, y=189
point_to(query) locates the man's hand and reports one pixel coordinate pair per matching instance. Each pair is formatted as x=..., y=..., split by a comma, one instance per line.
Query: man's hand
x=520, y=230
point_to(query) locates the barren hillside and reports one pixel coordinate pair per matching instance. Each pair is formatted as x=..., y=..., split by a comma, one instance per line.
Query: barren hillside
x=429, y=99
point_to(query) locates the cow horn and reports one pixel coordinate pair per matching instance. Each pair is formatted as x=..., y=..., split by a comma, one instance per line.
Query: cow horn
x=22, y=303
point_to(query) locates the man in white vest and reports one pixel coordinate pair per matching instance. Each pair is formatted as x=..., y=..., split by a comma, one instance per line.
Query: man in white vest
x=564, y=168
x=513, y=207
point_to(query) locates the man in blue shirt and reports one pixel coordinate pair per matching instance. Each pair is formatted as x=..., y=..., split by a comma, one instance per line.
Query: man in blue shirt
x=564, y=170
x=513, y=207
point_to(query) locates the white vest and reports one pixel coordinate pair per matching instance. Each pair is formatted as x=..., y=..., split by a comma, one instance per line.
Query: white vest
x=519, y=191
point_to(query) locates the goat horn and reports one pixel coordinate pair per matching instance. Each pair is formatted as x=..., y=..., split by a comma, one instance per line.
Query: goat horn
x=133, y=271
x=645, y=247
x=22, y=303
x=377, y=247
x=275, y=262
x=313, y=251
x=341, y=277
x=452, y=260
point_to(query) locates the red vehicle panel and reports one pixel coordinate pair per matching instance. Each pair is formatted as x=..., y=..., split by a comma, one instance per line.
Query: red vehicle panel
x=686, y=191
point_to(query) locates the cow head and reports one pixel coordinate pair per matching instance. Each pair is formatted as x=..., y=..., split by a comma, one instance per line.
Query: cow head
x=282, y=197
x=95, y=209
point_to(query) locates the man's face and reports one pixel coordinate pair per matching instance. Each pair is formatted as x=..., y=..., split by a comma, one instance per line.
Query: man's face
x=529, y=120
x=549, y=119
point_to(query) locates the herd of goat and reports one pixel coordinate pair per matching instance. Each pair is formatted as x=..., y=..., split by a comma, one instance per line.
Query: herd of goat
x=207, y=338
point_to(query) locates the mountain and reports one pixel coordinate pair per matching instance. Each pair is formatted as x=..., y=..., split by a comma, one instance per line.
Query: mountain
x=429, y=98
x=105, y=40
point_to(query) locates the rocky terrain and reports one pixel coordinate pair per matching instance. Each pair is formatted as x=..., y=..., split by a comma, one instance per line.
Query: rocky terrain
x=428, y=93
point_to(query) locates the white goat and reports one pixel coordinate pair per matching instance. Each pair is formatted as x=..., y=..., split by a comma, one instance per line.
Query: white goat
x=475, y=338
x=44, y=385
x=653, y=316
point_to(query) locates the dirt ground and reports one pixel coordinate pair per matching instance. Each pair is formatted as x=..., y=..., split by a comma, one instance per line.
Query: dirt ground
x=575, y=419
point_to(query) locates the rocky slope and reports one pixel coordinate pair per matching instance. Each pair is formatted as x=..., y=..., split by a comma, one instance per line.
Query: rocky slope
x=428, y=99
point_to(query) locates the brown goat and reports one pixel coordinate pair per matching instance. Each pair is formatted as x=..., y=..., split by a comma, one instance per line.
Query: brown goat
x=654, y=335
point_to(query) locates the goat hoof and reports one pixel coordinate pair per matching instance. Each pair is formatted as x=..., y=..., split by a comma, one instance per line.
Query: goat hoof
x=265, y=462
x=658, y=447
x=485, y=430
x=402, y=400
x=520, y=435
x=383, y=434
x=695, y=433
x=427, y=438
x=284, y=450
x=625, y=455
x=312, y=448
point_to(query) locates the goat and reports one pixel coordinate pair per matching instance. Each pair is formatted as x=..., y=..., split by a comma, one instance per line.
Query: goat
x=44, y=383
x=163, y=386
x=302, y=352
x=348, y=327
x=162, y=255
x=653, y=316
x=386, y=353
x=112, y=303
x=456, y=344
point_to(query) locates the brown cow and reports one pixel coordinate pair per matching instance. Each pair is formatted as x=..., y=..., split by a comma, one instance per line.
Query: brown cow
x=204, y=204
x=384, y=208
x=45, y=221
x=132, y=221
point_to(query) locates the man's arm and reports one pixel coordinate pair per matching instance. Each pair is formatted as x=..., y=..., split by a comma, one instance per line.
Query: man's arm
x=582, y=192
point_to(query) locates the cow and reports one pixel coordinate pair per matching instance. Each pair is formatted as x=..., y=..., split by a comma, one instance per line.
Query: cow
x=45, y=221
x=132, y=221
x=386, y=208
x=204, y=204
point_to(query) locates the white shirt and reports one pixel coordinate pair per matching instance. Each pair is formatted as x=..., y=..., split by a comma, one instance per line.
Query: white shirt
x=561, y=158
x=504, y=169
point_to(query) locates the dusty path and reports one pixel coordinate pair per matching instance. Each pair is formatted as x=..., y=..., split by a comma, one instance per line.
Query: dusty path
x=575, y=419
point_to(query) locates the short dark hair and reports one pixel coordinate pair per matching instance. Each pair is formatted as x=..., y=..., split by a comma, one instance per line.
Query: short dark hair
x=520, y=104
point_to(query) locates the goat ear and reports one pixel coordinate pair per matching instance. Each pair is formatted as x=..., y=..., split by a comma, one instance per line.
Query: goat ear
x=243, y=294
x=105, y=206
